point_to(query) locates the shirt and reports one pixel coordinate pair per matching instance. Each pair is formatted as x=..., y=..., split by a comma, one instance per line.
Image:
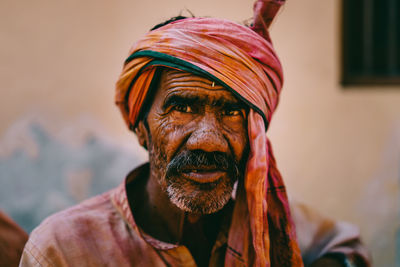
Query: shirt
x=102, y=231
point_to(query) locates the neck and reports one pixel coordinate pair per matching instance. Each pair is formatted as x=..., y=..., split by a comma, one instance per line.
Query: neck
x=164, y=218
x=158, y=217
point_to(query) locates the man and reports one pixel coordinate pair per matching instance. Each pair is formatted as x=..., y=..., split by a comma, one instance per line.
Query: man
x=199, y=93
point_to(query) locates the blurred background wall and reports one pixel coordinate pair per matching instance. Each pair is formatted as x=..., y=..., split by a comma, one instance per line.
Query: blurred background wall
x=338, y=149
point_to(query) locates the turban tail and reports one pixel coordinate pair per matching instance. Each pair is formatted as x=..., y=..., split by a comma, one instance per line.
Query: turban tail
x=242, y=60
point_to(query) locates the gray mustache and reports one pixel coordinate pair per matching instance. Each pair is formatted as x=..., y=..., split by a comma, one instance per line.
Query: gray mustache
x=199, y=159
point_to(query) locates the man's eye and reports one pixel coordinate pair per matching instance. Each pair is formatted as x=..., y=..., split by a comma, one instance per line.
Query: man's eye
x=232, y=112
x=183, y=108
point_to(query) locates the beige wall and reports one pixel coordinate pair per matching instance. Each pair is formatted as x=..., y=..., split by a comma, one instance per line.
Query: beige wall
x=337, y=149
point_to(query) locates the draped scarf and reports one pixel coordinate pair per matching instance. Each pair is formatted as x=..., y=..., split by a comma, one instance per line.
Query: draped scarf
x=241, y=59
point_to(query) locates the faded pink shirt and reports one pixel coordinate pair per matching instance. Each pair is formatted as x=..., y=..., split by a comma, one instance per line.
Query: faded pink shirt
x=101, y=231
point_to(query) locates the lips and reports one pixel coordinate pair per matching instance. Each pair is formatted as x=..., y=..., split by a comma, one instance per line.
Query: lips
x=203, y=175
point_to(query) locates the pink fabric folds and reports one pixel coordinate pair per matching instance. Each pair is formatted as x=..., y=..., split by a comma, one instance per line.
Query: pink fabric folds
x=242, y=59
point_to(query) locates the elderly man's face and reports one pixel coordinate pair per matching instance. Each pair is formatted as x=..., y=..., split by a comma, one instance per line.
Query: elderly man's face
x=197, y=141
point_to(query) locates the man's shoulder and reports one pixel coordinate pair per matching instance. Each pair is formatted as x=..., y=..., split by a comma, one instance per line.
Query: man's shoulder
x=77, y=221
x=73, y=232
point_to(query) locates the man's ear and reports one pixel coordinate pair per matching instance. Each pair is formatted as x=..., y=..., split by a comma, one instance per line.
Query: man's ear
x=142, y=134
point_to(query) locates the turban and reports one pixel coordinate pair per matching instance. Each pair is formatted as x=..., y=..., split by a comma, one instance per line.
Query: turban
x=241, y=59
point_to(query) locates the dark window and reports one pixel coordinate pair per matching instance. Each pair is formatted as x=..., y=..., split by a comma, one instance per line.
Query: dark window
x=371, y=42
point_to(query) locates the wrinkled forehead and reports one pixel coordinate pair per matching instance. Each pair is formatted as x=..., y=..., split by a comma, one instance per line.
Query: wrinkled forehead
x=187, y=85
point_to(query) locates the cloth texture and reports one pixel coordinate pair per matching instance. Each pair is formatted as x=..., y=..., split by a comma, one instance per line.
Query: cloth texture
x=102, y=232
x=241, y=59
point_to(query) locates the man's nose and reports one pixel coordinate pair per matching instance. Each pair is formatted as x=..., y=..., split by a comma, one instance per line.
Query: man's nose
x=208, y=136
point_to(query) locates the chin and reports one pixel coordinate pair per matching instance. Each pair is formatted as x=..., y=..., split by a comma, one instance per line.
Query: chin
x=200, y=198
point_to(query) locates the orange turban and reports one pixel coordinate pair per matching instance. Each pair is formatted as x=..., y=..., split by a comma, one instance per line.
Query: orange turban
x=241, y=59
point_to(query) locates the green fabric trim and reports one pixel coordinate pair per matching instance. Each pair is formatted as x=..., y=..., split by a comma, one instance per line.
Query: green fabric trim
x=174, y=62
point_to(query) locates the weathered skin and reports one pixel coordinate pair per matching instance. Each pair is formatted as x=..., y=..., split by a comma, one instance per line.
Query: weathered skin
x=202, y=116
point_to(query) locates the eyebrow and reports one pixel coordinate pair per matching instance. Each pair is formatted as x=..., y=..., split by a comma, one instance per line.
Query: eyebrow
x=175, y=99
x=229, y=104
x=179, y=99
